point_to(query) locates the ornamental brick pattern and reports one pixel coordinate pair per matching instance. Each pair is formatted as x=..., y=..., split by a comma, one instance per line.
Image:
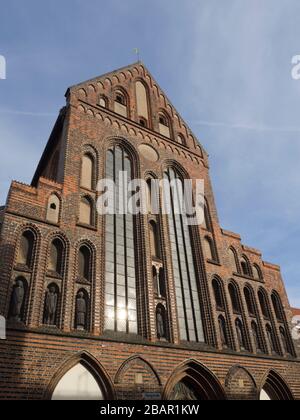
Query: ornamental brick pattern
x=99, y=114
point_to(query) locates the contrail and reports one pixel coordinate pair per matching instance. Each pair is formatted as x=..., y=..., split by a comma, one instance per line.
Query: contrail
x=246, y=127
x=27, y=113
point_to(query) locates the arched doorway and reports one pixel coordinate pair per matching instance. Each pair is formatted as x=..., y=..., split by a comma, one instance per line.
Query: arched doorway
x=193, y=381
x=80, y=378
x=77, y=384
x=275, y=388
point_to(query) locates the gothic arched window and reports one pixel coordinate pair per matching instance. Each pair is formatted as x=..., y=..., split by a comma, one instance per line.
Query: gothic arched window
x=26, y=247
x=55, y=263
x=246, y=271
x=235, y=301
x=142, y=102
x=218, y=293
x=263, y=304
x=233, y=260
x=85, y=263
x=277, y=305
x=87, y=172
x=249, y=301
x=120, y=260
x=184, y=269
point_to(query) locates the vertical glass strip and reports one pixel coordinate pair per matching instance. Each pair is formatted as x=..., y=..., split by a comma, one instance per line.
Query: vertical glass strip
x=188, y=306
x=120, y=281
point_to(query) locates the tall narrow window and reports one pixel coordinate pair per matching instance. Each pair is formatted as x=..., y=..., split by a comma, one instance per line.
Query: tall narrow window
x=233, y=260
x=120, y=280
x=263, y=304
x=25, y=252
x=154, y=240
x=162, y=283
x=87, y=172
x=86, y=211
x=277, y=305
x=236, y=307
x=55, y=263
x=218, y=295
x=84, y=263
x=249, y=301
x=142, y=102
x=187, y=293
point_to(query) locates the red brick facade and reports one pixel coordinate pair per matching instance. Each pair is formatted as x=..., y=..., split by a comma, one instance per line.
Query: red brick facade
x=35, y=356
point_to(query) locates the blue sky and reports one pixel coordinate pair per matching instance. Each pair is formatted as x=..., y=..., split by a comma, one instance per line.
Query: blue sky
x=226, y=66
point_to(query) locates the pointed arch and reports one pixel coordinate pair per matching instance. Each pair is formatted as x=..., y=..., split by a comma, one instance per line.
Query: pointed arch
x=277, y=306
x=143, y=102
x=235, y=298
x=235, y=375
x=276, y=387
x=246, y=266
x=234, y=261
x=26, y=251
x=218, y=289
x=92, y=365
x=200, y=381
x=137, y=359
x=56, y=256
